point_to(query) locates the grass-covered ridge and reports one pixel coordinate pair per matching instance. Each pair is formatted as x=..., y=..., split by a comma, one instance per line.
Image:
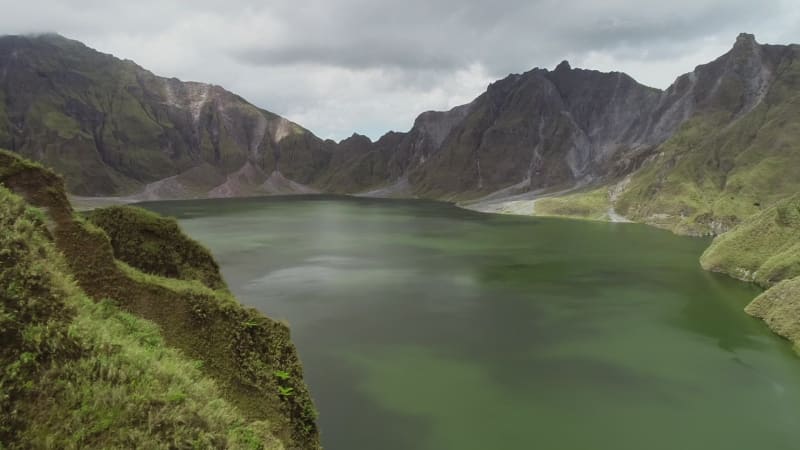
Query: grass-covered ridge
x=765, y=249
x=779, y=307
x=78, y=373
x=241, y=350
x=156, y=245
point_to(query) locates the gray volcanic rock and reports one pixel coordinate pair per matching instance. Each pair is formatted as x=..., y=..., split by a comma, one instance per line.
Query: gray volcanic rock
x=571, y=127
x=541, y=129
x=359, y=165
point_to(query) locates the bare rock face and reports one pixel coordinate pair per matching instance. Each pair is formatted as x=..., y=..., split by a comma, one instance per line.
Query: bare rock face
x=541, y=129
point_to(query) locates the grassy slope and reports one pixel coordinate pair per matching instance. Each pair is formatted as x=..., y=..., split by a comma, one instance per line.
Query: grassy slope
x=766, y=249
x=721, y=172
x=592, y=205
x=82, y=374
x=249, y=356
x=779, y=307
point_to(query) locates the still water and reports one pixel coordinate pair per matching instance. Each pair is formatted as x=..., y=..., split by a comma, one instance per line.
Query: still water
x=424, y=326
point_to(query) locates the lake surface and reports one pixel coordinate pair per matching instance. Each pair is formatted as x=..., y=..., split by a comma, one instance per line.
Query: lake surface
x=424, y=326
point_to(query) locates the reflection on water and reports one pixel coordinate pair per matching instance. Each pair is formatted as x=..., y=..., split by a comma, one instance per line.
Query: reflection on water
x=423, y=326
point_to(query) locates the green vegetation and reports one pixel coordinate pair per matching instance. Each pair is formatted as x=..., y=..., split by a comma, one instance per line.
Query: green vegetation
x=779, y=307
x=285, y=391
x=764, y=249
x=156, y=245
x=82, y=374
x=593, y=205
x=719, y=169
x=236, y=347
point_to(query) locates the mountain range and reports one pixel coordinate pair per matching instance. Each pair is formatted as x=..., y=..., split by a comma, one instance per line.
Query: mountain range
x=718, y=145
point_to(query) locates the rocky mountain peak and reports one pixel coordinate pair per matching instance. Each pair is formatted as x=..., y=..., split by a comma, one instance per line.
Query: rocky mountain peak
x=563, y=66
x=745, y=40
x=745, y=46
x=356, y=137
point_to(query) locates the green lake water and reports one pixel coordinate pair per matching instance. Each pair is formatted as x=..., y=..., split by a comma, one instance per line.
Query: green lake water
x=424, y=326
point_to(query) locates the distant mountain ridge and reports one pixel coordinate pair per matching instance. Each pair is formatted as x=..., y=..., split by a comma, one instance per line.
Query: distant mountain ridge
x=111, y=127
x=674, y=158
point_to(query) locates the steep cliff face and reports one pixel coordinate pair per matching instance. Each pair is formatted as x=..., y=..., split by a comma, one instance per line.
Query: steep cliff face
x=112, y=127
x=359, y=165
x=541, y=129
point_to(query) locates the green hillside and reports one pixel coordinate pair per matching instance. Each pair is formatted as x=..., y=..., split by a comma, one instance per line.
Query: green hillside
x=79, y=373
x=125, y=351
x=765, y=249
x=724, y=164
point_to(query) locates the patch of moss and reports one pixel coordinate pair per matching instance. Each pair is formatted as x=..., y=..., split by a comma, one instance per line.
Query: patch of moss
x=66, y=127
x=78, y=374
x=156, y=245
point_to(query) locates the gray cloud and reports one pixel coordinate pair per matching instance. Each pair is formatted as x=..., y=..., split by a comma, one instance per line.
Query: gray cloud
x=505, y=36
x=338, y=66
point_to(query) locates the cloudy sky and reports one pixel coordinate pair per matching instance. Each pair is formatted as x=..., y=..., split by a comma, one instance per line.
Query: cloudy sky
x=339, y=66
